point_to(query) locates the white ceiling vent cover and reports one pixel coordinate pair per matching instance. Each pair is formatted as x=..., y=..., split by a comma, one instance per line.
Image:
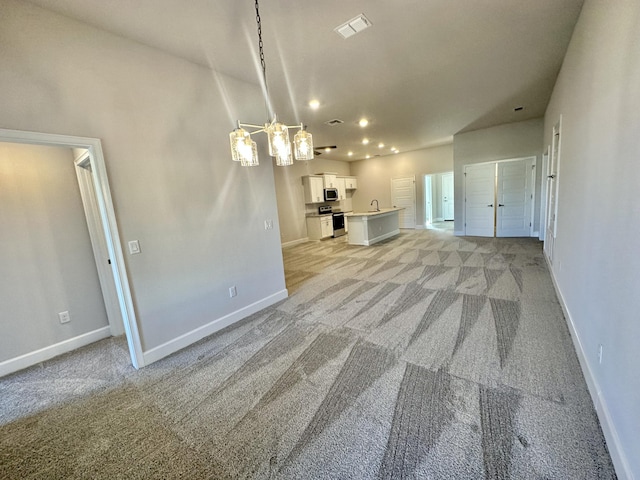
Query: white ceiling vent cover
x=353, y=26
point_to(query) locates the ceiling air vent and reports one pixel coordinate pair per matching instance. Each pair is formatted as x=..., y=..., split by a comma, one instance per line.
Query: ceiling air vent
x=353, y=26
x=334, y=122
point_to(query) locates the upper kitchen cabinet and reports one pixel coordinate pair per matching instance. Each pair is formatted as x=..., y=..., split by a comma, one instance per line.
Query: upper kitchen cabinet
x=351, y=183
x=313, y=188
x=330, y=180
x=341, y=186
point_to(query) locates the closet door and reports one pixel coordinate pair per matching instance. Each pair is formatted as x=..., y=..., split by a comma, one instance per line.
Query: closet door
x=514, y=195
x=480, y=199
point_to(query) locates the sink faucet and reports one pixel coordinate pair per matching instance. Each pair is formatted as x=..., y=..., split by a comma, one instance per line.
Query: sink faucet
x=377, y=207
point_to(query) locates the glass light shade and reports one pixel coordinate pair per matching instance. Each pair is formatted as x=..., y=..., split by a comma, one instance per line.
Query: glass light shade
x=283, y=156
x=278, y=139
x=237, y=139
x=303, y=145
x=249, y=153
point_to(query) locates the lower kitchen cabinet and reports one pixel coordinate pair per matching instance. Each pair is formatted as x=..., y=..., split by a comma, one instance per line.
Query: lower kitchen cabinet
x=319, y=227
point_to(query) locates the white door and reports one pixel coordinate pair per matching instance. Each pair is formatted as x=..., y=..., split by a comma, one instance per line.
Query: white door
x=428, y=199
x=99, y=245
x=479, y=191
x=514, y=194
x=542, y=229
x=552, y=193
x=447, y=196
x=403, y=195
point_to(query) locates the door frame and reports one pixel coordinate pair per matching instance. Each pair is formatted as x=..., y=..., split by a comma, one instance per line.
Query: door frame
x=107, y=219
x=428, y=200
x=552, y=230
x=495, y=190
x=542, y=228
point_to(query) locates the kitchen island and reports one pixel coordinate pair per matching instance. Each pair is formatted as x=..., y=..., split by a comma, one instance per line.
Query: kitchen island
x=367, y=228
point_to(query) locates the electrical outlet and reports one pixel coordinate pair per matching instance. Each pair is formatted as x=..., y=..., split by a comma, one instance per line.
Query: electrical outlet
x=232, y=291
x=64, y=317
x=268, y=224
x=600, y=354
x=134, y=247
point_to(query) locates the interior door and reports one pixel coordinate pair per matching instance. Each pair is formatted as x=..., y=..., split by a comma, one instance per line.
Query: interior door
x=447, y=196
x=428, y=199
x=403, y=195
x=480, y=199
x=552, y=193
x=513, y=215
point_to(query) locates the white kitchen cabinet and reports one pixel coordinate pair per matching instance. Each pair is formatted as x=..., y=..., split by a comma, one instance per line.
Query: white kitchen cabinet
x=330, y=180
x=351, y=183
x=313, y=188
x=319, y=227
x=341, y=186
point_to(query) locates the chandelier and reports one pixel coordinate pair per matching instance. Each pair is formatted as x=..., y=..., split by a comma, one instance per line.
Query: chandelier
x=244, y=149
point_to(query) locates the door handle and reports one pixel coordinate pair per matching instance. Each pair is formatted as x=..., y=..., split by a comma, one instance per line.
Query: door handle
x=551, y=176
x=501, y=204
x=490, y=205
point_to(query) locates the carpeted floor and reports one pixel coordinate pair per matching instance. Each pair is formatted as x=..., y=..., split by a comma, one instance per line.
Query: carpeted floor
x=426, y=356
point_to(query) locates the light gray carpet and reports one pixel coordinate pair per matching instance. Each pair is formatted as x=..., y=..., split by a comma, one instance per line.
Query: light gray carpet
x=426, y=356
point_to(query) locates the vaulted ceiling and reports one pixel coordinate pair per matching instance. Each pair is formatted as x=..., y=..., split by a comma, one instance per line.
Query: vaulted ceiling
x=424, y=71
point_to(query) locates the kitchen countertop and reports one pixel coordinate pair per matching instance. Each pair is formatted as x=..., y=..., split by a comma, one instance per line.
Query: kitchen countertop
x=373, y=213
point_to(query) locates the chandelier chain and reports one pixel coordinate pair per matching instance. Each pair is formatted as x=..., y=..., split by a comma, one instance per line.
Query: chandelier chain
x=261, y=45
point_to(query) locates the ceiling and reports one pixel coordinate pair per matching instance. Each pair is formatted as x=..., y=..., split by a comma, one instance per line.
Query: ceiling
x=424, y=71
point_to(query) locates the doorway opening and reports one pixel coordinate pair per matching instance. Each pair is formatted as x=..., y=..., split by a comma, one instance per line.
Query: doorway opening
x=98, y=206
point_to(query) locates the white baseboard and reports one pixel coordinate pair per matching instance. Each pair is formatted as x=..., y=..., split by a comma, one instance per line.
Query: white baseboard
x=536, y=234
x=381, y=237
x=458, y=233
x=618, y=457
x=294, y=242
x=421, y=227
x=33, y=358
x=199, y=333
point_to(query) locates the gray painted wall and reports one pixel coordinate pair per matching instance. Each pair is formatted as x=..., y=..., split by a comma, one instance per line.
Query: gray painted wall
x=164, y=125
x=375, y=174
x=512, y=140
x=45, y=252
x=596, y=263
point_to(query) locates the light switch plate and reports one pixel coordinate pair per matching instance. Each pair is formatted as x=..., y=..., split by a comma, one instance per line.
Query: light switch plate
x=134, y=247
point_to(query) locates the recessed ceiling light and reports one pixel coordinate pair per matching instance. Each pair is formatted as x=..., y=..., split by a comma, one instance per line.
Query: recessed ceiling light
x=368, y=156
x=350, y=154
x=315, y=104
x=381, y=145
x=365, y=141
x=328, y=149
x=363, y=122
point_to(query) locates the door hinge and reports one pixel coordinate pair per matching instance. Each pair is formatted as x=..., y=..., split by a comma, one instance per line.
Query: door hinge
x=109, y=260
x=529, y=223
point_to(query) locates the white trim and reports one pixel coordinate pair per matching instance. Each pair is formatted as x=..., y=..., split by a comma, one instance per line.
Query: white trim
x=33, y=358
x=421, y=227
x=616, y=450
x=536, y=234
x=438, y=219
x=108, y=217
x=199, y=333
x=458, y=233
x=295, y=242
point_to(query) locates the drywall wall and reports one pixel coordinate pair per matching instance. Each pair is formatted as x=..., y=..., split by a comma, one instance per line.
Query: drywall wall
x=45, y=252
x=375, y=174
x=595, y=263
x=512, y=140
x=164, y=125
x=290, y=194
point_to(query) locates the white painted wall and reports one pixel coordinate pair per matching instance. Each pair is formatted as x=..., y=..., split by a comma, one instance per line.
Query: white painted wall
x=375, y=174
x=512, y=140
x=164, y=125
x=596, y=261
x=45, y=252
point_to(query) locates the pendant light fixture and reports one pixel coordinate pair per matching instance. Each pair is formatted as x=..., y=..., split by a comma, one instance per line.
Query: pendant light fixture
x=244, y=149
